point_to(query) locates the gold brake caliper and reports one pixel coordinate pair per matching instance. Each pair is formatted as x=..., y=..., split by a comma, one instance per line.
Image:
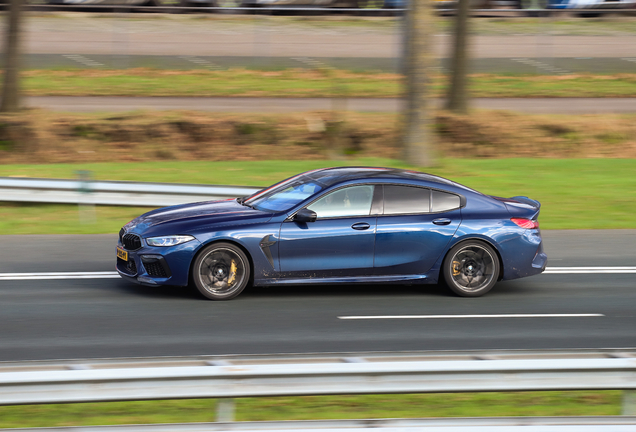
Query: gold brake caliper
x=456, y=265
x=232, y=277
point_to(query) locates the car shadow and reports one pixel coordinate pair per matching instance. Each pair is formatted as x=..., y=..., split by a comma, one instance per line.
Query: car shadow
x=159, y=291
x=287, y=291
x=389, y=290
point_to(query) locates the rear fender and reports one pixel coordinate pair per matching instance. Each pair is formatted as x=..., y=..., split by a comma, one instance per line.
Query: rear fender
x=436, y=271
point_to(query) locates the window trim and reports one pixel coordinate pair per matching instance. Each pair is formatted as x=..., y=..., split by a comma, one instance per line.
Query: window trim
x=290, y=218
x=462, y=200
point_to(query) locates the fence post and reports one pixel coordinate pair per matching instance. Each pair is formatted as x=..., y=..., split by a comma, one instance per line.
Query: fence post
x=629, y=402
x=225, y=410
x=86, y=208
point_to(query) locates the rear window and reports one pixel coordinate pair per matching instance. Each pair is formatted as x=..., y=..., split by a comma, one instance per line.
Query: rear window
x=443, y=201
x=406, y=199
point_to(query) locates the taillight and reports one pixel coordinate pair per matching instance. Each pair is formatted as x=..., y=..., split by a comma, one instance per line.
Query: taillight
x=526, y=223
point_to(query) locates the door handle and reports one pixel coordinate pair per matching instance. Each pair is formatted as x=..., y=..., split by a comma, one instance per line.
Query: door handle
x=360, y=226
x=442, y=221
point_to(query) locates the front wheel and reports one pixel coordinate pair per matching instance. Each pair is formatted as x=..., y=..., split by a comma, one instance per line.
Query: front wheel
x=471, y=269
x=221, y=271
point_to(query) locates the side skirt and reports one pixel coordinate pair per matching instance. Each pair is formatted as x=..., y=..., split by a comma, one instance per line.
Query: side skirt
x=419, y=279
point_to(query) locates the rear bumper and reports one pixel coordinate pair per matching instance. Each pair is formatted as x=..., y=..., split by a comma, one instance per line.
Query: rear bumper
x=524, y=256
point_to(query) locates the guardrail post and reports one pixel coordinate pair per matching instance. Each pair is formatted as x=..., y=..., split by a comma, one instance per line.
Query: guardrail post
x=225, y=410
x=85, y=208
x=629, y=403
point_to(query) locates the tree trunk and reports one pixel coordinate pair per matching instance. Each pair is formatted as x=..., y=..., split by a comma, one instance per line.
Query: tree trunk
x=418, y=135
x=457, y=93
x=11, y=85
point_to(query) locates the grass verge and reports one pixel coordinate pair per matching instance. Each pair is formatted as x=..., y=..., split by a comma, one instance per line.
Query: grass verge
x=307, y=83
x=575, y=193
x=581, y=403
x=40, y=136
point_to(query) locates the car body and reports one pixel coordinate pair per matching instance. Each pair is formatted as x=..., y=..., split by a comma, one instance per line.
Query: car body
x=590, y=4
x=338, y=225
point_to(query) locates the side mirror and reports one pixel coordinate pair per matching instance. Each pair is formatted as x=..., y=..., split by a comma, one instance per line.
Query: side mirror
x=305, y=215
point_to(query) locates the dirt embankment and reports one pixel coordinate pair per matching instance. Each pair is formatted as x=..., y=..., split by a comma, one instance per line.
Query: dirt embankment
x=38, y=136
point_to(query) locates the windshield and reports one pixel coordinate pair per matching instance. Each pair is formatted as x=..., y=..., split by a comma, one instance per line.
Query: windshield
x=283, y=196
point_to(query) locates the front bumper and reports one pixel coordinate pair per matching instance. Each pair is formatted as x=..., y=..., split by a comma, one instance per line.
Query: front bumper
x=154, y=266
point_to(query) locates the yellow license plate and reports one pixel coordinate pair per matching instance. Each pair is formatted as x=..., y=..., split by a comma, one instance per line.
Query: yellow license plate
x=122, y=254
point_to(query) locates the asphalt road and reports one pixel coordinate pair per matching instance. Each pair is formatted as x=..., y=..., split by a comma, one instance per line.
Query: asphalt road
x=56, y=319
x=532, y=63
x=281, y=105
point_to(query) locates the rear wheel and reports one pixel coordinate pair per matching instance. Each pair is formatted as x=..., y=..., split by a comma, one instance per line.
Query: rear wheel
x=471, y=269
x=221, y=271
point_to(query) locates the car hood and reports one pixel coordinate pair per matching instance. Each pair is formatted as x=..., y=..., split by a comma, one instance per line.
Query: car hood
x=202, y=213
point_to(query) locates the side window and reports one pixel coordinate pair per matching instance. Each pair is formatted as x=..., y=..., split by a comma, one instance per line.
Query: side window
x=350, y=201
x=406, y=199
x=443, y=201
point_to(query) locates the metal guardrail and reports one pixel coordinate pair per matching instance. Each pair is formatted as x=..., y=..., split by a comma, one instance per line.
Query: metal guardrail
x=476, y=424
x=227, y=377
x=291, y=379
x=373, y=373
x=113, y=192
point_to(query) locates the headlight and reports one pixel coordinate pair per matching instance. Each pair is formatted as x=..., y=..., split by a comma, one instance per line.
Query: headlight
x=172, y=240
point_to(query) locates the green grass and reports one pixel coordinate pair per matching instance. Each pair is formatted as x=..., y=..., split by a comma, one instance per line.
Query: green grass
x=302, y=83
x=318, y=408
x=575, y=193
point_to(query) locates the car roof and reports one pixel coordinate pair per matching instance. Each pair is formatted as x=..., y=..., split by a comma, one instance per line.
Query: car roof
x=331, y=176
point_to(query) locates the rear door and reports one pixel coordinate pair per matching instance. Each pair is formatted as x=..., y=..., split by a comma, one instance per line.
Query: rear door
x=413, y=229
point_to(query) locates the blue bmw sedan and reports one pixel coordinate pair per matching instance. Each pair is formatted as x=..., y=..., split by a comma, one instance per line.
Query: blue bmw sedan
x=335, y=226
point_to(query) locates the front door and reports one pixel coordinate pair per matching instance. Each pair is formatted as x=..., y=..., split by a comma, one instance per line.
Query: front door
x=339, y=243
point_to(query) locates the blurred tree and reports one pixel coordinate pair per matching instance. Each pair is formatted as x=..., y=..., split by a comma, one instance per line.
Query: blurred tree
x=418, y=134
x=457, y=100
x=11, y=85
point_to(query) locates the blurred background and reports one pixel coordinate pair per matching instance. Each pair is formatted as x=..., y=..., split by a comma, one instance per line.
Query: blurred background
x=321, y=83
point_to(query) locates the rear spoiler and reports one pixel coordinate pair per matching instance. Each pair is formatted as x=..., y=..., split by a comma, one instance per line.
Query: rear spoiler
x=524, y=202
x=524, y=199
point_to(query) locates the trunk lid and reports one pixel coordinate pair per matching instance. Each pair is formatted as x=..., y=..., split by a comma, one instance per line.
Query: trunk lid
x=521, y=206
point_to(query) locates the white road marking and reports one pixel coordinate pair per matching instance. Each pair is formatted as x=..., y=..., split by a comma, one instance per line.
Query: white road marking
x=83, y=60
x=59, y=275
x=201, y=62
x=588, y=270
x=540, y=65
x=368, y=317
x=114, y=275
x=312, y=62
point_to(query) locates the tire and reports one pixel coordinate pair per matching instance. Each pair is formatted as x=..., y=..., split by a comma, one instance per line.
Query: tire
x=221, y=271
x=471, y=268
